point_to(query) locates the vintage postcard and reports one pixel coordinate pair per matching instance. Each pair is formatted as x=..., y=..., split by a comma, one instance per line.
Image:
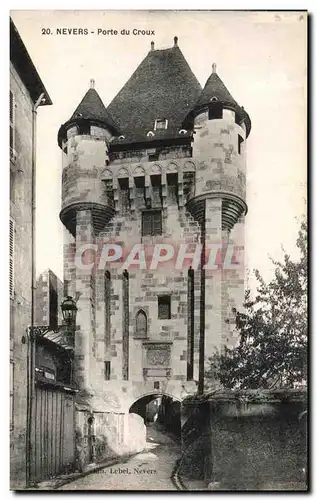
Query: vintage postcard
x=158, y=250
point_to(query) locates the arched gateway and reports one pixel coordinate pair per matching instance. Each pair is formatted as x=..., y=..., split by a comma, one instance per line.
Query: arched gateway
x=161, y=410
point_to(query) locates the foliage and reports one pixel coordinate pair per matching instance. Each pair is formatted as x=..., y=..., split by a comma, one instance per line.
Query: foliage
x=272, y=347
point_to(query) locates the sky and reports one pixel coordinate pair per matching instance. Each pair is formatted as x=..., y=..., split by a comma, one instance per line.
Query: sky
x=261, y=58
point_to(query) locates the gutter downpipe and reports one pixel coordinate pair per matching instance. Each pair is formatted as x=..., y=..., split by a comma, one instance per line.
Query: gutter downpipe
x=30, y=336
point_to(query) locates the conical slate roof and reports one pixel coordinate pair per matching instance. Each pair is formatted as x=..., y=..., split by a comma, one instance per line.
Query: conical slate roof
x=92, y=108
x=162, y=87
x=215, y=90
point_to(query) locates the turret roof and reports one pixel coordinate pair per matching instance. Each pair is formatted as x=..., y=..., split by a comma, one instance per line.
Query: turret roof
x=92, y=108
x=162, y=87
x=216, y=90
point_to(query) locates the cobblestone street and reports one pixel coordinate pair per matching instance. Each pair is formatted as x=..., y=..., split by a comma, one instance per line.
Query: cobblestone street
x=148, y=470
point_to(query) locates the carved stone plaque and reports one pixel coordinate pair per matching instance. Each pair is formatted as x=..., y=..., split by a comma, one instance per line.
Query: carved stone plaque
x=158, y=354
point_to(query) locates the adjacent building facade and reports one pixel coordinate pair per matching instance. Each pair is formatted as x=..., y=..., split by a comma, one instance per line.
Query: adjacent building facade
x=26, y=88
x=49, y=296
x=163, y=166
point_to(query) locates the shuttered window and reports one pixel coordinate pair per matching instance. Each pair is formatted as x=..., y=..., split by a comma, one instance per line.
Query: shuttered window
x=151, y=222
x=11, y=258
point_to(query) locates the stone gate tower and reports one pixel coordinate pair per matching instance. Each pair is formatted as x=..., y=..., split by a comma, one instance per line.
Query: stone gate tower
x=164, y=164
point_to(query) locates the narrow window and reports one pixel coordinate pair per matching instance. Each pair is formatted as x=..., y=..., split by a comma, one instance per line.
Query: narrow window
x=141, y=325
x=156, y=385
x=156, y=183
x=84, y=128
x=125, y=325
x=215, y=111
x=107, y=311
x=11, y=259
x=240, y=146
x=164, y=307
x=108, y=184
x=107, y=370
x=172, y=188
x=124, y=195
x=151, y=222
x=160, y=124
x=139, y=183
x=188, y=185
x=53, y=304
x=190, y=324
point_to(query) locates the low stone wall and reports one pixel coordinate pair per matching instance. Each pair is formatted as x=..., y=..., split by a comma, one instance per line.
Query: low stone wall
x=195, y=440
x=257, y=440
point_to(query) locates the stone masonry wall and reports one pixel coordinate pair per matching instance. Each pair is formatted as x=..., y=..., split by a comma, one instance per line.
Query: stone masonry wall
x=144, y=288
x=83, y=175
x=222, y=286
x=87, y=176
x=215, y=151
x=20, y=303
x=49, y=296
x=220, y=169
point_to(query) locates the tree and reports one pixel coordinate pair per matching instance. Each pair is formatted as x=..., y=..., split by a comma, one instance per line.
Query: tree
x=272, y=347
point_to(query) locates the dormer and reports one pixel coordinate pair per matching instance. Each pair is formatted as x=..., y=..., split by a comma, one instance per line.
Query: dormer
x=160, y=124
